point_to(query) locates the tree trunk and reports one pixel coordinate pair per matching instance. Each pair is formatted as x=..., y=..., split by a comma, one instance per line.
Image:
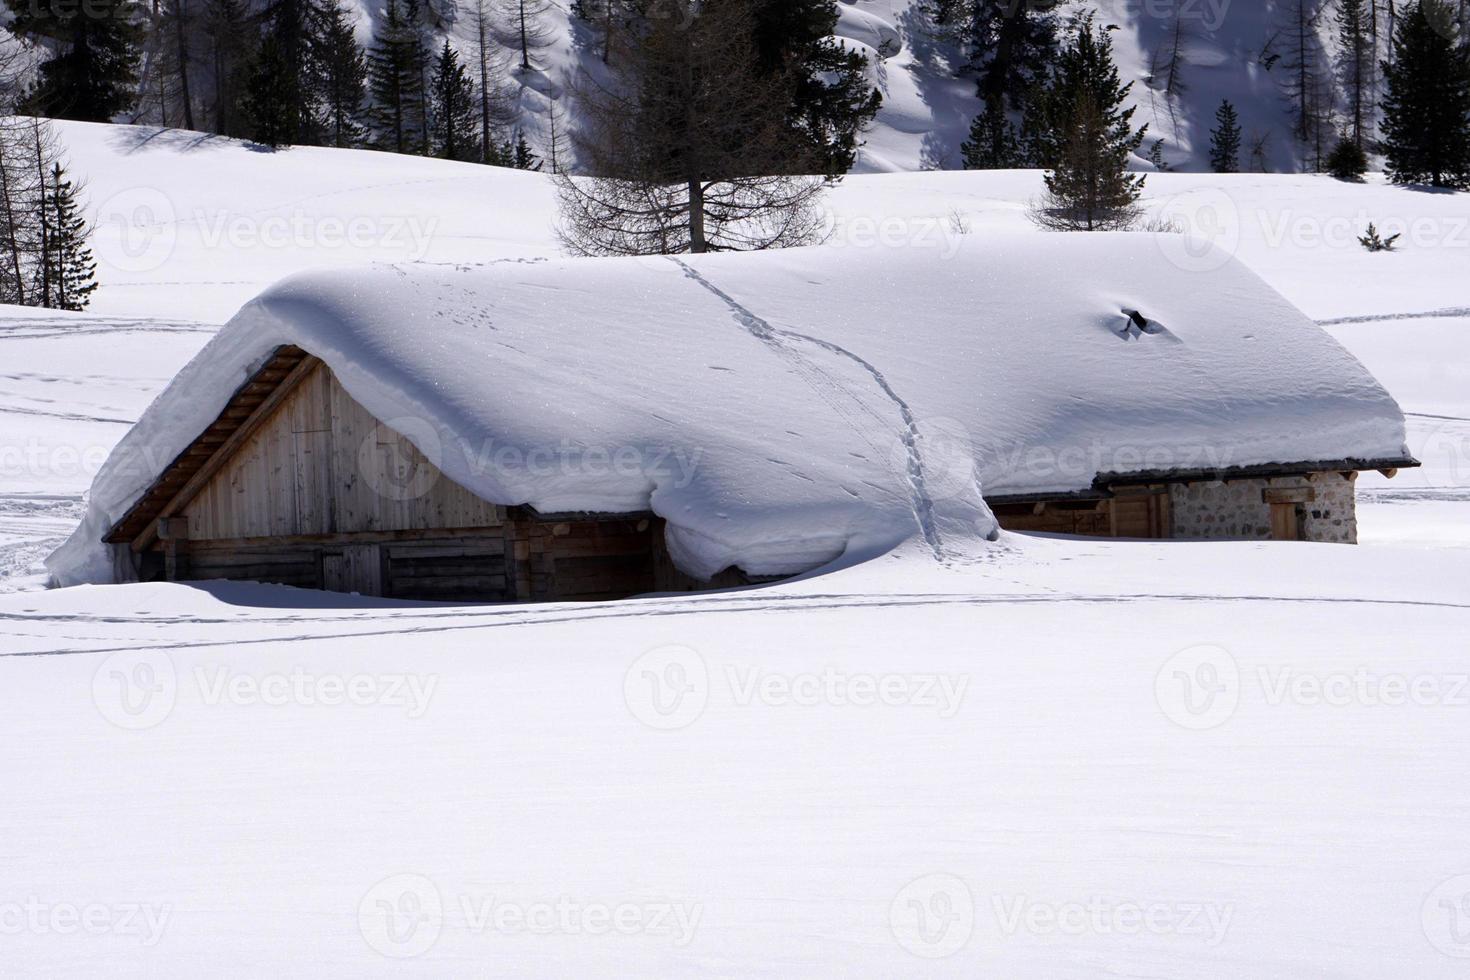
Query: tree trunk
x=181, y=38
x=696, y=217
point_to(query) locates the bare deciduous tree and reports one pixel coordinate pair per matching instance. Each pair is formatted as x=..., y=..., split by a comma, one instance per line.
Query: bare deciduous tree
x=691, y=153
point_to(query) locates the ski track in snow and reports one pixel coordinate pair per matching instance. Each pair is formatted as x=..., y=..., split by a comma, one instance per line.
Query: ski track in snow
x=921, y=502
x=636, y=609
x=1446, y=313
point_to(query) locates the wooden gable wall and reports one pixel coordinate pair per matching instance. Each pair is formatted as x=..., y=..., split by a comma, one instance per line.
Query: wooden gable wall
x=321, y=464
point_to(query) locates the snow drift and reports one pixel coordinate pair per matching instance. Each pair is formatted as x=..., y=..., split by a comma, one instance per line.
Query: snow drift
x=781, y=409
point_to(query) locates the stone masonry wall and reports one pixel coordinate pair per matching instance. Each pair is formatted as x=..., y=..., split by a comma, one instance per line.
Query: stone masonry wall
x=1235, y=509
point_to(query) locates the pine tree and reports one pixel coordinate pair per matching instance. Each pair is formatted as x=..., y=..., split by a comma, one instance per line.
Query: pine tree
x=1347, y=161
x=1225, y=140
x=1426, y=114
x=1082, y=133
x=71, y=271
x=341, y=76
x=1306, y=83
x=93, y=73
x=1013, y=45
x=230, y=40
x=521, y=156
x=452, y=105
x=831, y=99
x=994, y=143
x=1355, y=66
x=395, y=79
x=281, y=97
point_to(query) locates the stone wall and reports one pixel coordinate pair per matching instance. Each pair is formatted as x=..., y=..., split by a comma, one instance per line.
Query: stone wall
x=1237, y=508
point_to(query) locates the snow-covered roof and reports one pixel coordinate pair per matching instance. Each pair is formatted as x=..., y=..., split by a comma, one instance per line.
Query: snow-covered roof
x=781, y=408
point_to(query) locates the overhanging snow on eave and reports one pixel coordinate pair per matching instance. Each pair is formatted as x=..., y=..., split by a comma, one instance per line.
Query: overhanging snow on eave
x=1104, y=481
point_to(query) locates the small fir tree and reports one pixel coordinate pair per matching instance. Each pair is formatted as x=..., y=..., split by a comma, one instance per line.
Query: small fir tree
x=72, y=270
x=1347, y=161
x=1225, y=140
x=452, y=101
x=1083, y=135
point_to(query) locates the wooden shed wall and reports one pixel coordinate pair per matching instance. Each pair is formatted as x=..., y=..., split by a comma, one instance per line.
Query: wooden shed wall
x=321, y=464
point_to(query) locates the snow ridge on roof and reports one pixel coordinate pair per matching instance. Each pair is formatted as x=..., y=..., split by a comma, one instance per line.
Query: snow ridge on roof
x=780, y=409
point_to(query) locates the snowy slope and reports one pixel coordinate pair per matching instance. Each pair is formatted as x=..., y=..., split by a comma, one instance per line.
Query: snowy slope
x=1038, y=776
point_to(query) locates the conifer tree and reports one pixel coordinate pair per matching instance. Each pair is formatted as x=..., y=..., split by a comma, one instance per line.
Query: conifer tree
x=93, y=73
x=831, y=98
x=1426, y=114
x=994, y=143
x=1082, y=134
x=281, y=96
x=452, y=105
x=71, y=271
x=1355, y=66
x=522, y=25
x=395, y=79
x=230, y=43
x=521, y=156
x=1225, y=140
x=341, y=76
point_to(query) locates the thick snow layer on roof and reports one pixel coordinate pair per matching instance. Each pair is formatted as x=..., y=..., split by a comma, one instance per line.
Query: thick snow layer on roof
x=780, y=409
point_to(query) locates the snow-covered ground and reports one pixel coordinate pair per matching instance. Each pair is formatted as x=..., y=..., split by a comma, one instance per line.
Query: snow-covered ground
x=1066, y=759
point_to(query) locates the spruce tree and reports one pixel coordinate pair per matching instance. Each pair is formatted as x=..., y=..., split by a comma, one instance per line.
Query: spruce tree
x=230, y=41
x=831, y=99
x=395, y=80
x=282, y=100
x=1225, y=140
x=341, y=76
x=1013, y=45
x=521, y=156
x=452, y=105
x=71, y=271
x=1081, y=132
x=1426, y=114
x=1355, y=66
x=994, y=143
x=91, y=72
